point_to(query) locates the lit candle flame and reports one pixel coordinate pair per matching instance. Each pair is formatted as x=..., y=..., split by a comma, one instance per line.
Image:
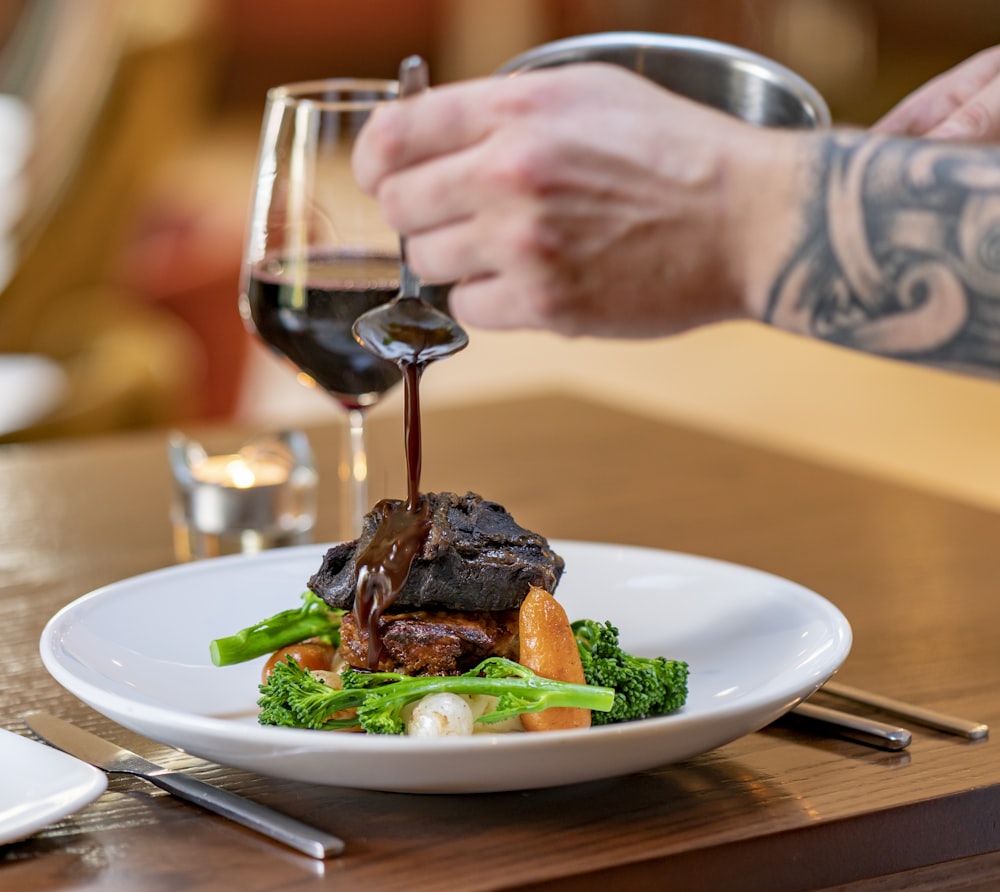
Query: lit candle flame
x=237, y=472
x=241, y=474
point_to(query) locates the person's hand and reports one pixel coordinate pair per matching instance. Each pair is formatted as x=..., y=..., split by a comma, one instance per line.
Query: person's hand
x=961, y=104
x=583, y=199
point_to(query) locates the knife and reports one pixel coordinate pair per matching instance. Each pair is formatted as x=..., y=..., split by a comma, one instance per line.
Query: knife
x=855, y=727
x=113, y=758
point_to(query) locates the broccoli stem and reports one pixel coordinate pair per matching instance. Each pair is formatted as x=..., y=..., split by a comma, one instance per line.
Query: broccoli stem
x=314, y=619
x=518, y=694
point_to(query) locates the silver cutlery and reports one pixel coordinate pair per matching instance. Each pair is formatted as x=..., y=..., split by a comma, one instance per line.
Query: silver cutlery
x=115, y=759
x=879, y=734
x=930, y=718
x=856, y=727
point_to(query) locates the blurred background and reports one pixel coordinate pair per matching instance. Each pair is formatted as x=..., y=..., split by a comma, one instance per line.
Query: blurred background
x=128, y=131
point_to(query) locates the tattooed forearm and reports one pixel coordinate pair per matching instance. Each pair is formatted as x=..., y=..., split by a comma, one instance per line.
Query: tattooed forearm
x=901, y=253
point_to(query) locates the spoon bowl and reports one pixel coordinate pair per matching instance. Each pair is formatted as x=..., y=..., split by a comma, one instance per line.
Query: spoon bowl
x=407, y=328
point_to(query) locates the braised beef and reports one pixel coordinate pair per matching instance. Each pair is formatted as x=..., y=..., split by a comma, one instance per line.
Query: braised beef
x=475, y=557
x=445, y=642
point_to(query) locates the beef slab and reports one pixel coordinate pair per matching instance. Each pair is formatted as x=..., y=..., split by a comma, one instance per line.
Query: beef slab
x=476, y=557
x=433, y=642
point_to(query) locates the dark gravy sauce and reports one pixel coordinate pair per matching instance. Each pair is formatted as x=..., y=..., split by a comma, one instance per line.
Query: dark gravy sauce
x=384, y=565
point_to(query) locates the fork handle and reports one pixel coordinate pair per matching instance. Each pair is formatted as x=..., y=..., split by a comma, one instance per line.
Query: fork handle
x=931, y=718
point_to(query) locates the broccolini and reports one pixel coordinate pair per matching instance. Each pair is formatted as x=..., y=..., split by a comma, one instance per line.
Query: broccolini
x=643, y=686
x=294, y=697
x=314, y=619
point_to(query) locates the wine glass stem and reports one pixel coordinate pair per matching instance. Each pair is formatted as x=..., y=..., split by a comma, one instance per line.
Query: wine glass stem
x=353, y=475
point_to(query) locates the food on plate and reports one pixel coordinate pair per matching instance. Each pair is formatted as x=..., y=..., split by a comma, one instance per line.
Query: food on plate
x=313, y=619
x=644, y=686
x=376, y=702
x=459, y=603
x=548, y=648
x=315, y=655
x=475, y=557
x=474, y=639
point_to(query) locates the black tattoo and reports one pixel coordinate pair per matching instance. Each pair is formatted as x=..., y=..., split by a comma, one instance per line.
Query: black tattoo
x=901, y=254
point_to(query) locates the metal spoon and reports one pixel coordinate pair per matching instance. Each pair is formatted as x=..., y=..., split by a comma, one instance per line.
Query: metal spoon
x=408, y=328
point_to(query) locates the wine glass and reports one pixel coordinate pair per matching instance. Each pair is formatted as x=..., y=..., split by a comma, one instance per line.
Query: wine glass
x=318, y=255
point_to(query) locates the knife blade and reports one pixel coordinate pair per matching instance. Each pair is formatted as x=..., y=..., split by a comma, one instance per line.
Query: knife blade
x=112, y=758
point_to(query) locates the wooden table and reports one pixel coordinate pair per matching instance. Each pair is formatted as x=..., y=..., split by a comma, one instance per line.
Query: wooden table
x=780, y=809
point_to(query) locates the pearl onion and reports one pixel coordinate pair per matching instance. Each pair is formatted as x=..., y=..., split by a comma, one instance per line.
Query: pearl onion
x=440, y=715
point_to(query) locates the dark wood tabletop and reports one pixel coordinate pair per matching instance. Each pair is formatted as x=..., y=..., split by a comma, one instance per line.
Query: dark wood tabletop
x=918, y=576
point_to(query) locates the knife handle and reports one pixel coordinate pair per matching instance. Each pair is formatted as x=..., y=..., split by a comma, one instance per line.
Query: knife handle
x=310, y=840
x=855, y=727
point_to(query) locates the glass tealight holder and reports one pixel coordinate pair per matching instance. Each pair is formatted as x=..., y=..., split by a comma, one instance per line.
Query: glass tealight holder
x=262, y=496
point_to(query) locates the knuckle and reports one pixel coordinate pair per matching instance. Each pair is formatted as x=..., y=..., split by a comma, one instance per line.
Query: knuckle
x=391, y=203
x=552, y=305
x=515, y=98
x=433, y=257
x=533, y=238
x=419, y=257
x=547, y=287
x=977, y=119
x=383, y=143
x=524, y=166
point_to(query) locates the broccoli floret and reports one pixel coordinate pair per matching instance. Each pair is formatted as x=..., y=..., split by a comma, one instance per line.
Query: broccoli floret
x=314, y=619
x=643, y=686
x=293, y=697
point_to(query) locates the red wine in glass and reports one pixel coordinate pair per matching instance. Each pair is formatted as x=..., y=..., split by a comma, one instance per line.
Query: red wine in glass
x=305, y=310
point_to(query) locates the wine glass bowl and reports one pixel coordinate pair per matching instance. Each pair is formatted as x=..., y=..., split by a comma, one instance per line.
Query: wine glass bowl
x=309, y=323
x=318, y=254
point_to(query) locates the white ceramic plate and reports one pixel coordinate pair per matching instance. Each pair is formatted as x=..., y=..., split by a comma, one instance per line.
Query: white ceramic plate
x=39, y=785
x=137, y=651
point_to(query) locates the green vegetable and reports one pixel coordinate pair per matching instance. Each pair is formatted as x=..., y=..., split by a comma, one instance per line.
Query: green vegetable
x=314, y=619
x=294, y=697
x=643, y=686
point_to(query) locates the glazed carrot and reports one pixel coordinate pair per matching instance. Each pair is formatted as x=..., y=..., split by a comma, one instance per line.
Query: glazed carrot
x=549, y=649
